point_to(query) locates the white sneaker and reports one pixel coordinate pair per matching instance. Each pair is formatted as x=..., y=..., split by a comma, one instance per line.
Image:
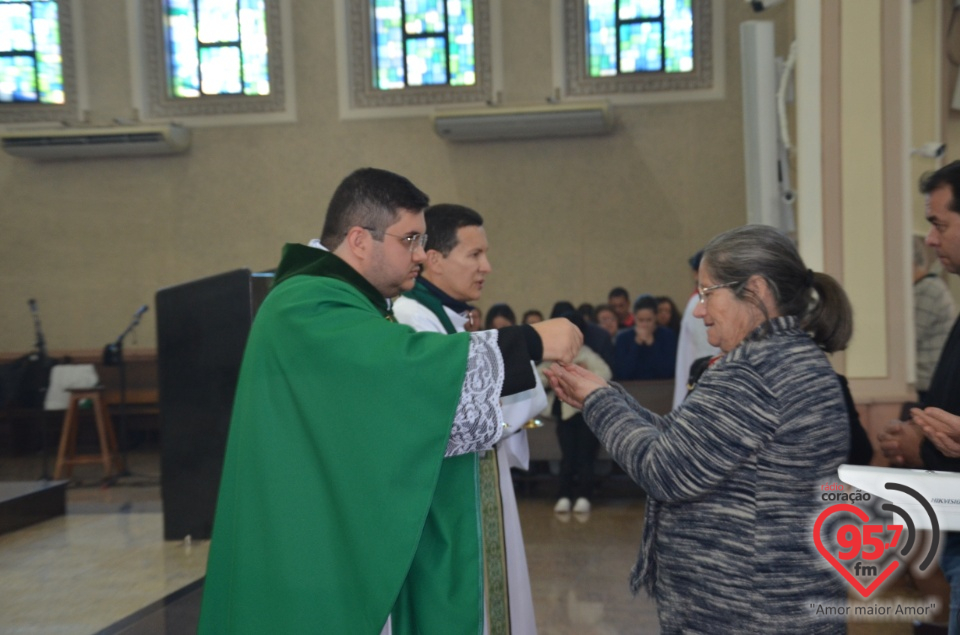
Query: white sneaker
x=562, y=506
x=582, y=506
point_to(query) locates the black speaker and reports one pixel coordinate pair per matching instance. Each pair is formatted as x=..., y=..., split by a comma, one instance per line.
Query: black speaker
x=202, y=329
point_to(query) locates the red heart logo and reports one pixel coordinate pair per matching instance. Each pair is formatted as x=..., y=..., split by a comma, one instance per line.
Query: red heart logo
x=862, y=515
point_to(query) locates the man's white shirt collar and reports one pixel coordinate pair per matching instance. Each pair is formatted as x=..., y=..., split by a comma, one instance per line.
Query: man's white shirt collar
x=459, y=320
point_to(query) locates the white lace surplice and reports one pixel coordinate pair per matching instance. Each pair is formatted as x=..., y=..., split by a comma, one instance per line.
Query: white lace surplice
x=477, y=424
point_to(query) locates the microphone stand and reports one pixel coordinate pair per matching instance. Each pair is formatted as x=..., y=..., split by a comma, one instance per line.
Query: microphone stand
x=40, y=354
x=113, y=355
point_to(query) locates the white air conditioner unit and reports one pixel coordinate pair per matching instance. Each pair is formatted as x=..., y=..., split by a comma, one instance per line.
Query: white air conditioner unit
x=529, y=122
x=91, y=142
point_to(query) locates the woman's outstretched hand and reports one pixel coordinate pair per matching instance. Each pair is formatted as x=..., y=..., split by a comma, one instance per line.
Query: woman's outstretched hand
x=572, y=383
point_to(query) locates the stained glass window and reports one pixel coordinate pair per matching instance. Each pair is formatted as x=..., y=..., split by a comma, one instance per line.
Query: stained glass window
x=217, y=47
x=31, y=63
x=639, y=36
x=423, y=43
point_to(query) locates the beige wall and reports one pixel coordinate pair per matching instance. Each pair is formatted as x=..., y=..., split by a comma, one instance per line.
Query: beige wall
x=866, y=142
x=862, y=195
x=567, y=219
x=925, y=95
x=858, y=167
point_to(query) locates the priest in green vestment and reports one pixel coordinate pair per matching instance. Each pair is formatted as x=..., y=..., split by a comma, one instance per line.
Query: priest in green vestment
x=336, y=442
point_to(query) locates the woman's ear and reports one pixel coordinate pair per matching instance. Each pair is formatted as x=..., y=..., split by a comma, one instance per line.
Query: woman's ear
x=760, y=288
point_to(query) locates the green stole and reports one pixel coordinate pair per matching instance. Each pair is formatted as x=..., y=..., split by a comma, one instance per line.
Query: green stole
x=330, y=511
x=422, y=295
x=486, y=506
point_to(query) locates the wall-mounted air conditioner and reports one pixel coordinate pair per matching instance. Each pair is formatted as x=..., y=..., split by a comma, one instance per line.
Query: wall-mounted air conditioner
x=91, y=142
x=528, y=122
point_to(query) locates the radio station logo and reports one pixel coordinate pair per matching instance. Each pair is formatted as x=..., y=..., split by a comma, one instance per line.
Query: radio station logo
x=867, y=551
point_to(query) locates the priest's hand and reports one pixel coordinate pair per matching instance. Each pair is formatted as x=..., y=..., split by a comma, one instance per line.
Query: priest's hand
x=572, y=383
x=941, y=427
x=561, y=339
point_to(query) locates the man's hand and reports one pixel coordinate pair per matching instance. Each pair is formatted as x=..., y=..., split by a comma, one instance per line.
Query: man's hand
x=572, y=384
x=561, y=339
x=941, y=427
x=900, y=443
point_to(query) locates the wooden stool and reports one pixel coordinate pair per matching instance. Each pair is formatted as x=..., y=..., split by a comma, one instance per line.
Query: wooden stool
x=67, y=454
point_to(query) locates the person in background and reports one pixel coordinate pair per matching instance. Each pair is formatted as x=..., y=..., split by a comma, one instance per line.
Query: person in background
x=667, y=314
x=732, y=474
x=692, y=344
x=919, y=443
x=646, y=351
x=499, y=316
x=933, y=313
x=587, y=312
x=594, y=335
x=578, y=445
x=453, y=274
x=532, y=316
x=607, y=320
x=619, y=301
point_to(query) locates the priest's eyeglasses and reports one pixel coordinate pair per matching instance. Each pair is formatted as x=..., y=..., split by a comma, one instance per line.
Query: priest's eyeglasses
x=704, y=292
x=410, y=241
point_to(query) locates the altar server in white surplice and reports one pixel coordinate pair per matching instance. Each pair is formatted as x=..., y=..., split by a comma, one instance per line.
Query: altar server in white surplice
x=453, y=275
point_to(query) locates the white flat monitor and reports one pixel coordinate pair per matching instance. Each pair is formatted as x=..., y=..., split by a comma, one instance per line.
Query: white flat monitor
x=940, y=490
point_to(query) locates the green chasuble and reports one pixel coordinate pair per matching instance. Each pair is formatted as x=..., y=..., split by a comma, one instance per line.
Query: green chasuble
x=332, y=464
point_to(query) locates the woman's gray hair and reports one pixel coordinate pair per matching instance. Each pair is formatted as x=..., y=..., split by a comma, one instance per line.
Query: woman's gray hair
x=816, y=299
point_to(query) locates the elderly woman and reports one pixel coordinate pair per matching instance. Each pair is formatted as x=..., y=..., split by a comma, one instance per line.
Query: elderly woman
x=732, y=473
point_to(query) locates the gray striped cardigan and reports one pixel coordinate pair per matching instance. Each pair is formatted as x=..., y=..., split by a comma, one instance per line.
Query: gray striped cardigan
x=732, y=478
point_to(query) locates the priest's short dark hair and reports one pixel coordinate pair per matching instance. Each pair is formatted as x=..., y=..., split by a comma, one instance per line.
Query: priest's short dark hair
x=371, y=198
x=443, y=221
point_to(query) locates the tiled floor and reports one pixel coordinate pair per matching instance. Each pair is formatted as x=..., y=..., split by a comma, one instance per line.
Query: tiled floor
x=102, y=561
x=106, y=560
x=80, y=573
